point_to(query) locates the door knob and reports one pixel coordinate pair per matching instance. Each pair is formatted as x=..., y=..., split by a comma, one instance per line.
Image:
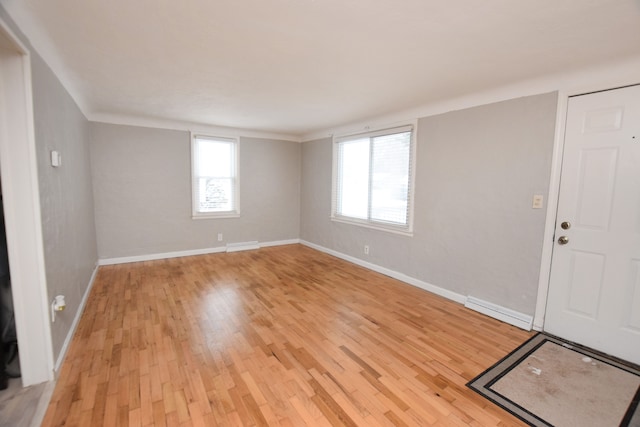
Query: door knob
x=563, y=240
x=565, y=225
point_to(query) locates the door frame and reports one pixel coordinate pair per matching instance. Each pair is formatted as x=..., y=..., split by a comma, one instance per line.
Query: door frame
x=552, y=211
x=553, y=195
x=21, y=196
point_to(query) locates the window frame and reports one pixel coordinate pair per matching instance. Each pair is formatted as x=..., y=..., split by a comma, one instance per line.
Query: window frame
x=195, y=212
x=407, y=229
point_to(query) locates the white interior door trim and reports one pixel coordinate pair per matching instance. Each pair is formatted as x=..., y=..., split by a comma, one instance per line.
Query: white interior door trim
x=19, y=168
x=552, y=210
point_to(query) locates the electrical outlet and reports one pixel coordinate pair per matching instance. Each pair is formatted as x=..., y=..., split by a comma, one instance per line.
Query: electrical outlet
x=219, y=237
x=366, y=249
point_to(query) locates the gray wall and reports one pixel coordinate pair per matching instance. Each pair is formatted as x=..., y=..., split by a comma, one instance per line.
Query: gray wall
x=65, y=193
x=142, y=189
x=475, y=232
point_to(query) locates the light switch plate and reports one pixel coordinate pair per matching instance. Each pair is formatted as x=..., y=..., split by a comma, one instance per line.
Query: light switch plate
x=56, y=159
x=538, y=200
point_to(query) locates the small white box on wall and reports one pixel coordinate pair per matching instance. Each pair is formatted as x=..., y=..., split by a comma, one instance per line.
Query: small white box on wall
x=56, y=159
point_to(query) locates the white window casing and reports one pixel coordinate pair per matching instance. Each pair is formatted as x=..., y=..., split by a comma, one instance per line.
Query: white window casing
x=373, y=179
x=215, y=179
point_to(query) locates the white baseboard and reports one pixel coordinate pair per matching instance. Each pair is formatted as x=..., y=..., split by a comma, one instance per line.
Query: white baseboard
x=280, y=243
x=74, y=325
x=453, y=296
x=165, y=255
x=178, y=254
x=243, y=246
x=515, y=318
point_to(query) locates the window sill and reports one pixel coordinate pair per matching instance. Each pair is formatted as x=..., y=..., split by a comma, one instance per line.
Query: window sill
x=374, y=226
x=220, y=215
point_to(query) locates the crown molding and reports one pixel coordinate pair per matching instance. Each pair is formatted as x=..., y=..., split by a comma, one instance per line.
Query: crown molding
x=224, y=131
x=605, y=76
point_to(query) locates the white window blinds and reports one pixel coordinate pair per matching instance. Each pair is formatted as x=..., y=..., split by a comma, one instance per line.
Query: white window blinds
x=373, y=176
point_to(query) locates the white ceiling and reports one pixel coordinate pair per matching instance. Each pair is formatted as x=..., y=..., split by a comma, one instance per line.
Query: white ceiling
x=300, y=66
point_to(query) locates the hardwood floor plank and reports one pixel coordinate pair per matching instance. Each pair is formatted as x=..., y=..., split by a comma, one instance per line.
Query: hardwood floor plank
x=159, y=414
x=182, y=407
x=384, y=390
x=395, y=419
x=111, y=411
x=302, y=410
x=334, y=414
x=123, y=416
x=279, y=336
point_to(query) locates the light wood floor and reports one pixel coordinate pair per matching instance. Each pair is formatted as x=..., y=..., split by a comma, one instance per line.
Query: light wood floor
x=279, y=336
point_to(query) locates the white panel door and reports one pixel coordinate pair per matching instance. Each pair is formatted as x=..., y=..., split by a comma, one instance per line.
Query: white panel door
x=594, y=289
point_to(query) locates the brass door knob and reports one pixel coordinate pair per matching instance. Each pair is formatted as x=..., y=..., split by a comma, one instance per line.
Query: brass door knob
x=563, y=240
x=565, y=225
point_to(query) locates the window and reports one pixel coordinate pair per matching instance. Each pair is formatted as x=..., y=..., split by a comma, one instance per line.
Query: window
x=214, y=177
x=373, y=179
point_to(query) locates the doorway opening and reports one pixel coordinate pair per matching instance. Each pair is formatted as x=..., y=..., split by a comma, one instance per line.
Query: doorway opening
x=18, y=166
x=9, y=360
